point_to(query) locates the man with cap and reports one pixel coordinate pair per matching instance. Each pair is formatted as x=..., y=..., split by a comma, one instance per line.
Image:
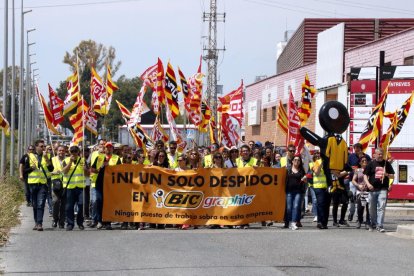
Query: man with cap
x=110, y=159
x=74, y=170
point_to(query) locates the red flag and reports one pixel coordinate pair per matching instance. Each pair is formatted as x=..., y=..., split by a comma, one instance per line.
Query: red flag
x=150, y=76
x=294, y=136
x=232, y=104
x=230, y=137
x=47, y=112
x=56, y=106
x=158, y=132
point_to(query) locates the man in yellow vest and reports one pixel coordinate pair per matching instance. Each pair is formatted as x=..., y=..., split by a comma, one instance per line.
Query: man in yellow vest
x=173, y=155
x=110, y=159
x=208, y=159
x=37, y=168
x=74, y=169
x=245, y=159
x=97, y=157
x=58, y=196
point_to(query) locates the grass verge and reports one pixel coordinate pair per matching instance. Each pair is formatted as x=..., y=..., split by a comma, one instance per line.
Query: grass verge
x=11, y=197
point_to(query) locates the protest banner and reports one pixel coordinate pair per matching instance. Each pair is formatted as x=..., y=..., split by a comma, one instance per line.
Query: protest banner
x=134, y=193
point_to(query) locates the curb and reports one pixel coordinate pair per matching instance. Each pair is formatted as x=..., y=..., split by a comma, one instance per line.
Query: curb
x=406, y=230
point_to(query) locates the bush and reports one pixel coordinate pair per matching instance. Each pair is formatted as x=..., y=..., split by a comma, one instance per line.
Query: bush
x=11, y=197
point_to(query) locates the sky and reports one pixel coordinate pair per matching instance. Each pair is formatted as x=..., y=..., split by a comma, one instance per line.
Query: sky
x=142, y=30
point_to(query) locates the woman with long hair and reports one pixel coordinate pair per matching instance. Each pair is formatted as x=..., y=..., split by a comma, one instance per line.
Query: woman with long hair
x=161, y=159
x=218, y=161
x=295, y=187
x=194, y=160
x=361, y=192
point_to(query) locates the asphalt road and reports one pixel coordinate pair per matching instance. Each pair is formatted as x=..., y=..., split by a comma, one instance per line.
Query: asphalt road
x=255, y=251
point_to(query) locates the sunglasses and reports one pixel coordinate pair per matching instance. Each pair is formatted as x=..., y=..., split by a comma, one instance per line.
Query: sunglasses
x=291, y=150
x=179, y=160
x=173, y=148
x=218, y=157
x=74, y=151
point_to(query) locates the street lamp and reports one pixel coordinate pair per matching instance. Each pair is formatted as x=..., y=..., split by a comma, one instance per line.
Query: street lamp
x=28, y=81
x=34, y=107
x=21, y=141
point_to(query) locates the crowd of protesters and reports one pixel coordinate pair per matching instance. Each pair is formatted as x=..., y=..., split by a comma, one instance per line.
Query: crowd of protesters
x=70, y=180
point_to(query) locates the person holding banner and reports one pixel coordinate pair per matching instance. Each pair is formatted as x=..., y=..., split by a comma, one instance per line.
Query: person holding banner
x=295, y=188
x=173, y=155
x=96, y=155
x=377, y=176
x=110, y=159
x=161, y=159
x=233, y=155
x=195, y=160
x=74, y=169
x=245, y=160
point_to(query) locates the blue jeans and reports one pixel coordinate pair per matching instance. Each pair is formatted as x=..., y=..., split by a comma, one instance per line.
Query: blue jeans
x=293, y=206
x=39, y=194
x=352, y=203
x=97, y=204
x=313, y=196
x=74, y=196
x=377, y=204
x=322, y=205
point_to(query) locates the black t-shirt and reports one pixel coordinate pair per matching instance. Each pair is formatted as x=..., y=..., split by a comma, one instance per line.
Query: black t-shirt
x=294, y=183
x=375, y=173
x=25, y=162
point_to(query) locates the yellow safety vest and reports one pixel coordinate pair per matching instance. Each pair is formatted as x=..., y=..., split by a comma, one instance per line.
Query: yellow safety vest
x=240, y=164
x=172, y=160
x=283, y=162
x=78, y=178
x=319, y=181
x=57, y=166
x=208, y=161
x=37, y=176
x=147, y=162
x=94, y=175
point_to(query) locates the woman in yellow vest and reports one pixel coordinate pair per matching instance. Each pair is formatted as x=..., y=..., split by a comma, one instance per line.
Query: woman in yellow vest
x=74, y=169
x=37, y=168
x=320, y=187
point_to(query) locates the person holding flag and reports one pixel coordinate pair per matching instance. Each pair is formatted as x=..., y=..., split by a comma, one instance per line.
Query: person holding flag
x=377, y=177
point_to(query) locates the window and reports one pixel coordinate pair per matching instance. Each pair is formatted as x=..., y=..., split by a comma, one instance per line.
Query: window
x=409, y=60
x=265, y=115
x=274, y=113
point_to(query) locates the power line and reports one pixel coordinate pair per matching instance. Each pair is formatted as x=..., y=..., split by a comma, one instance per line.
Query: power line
x=369, y=7
x=82, y=4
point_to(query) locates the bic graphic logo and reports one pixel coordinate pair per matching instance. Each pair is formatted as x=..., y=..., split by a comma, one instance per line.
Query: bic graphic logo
x=178, y=199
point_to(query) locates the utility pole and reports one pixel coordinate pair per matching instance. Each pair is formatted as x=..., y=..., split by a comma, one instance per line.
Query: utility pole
x=13, y=95
x=211, y=54
x=21, y=134
x=6, y=43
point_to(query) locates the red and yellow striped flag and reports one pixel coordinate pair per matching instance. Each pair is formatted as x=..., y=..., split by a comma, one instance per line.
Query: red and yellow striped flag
x=104, y=103
x=4, y=124
x=77, y=121
x=374, y=124
x=47, y=112
x=206, y=116
x=282, y=120
x=305, y=109
x=397, y=121
x=171, y=91
x=73, y=95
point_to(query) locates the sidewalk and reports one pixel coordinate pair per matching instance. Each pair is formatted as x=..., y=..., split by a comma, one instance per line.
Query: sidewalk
x=400, y=209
